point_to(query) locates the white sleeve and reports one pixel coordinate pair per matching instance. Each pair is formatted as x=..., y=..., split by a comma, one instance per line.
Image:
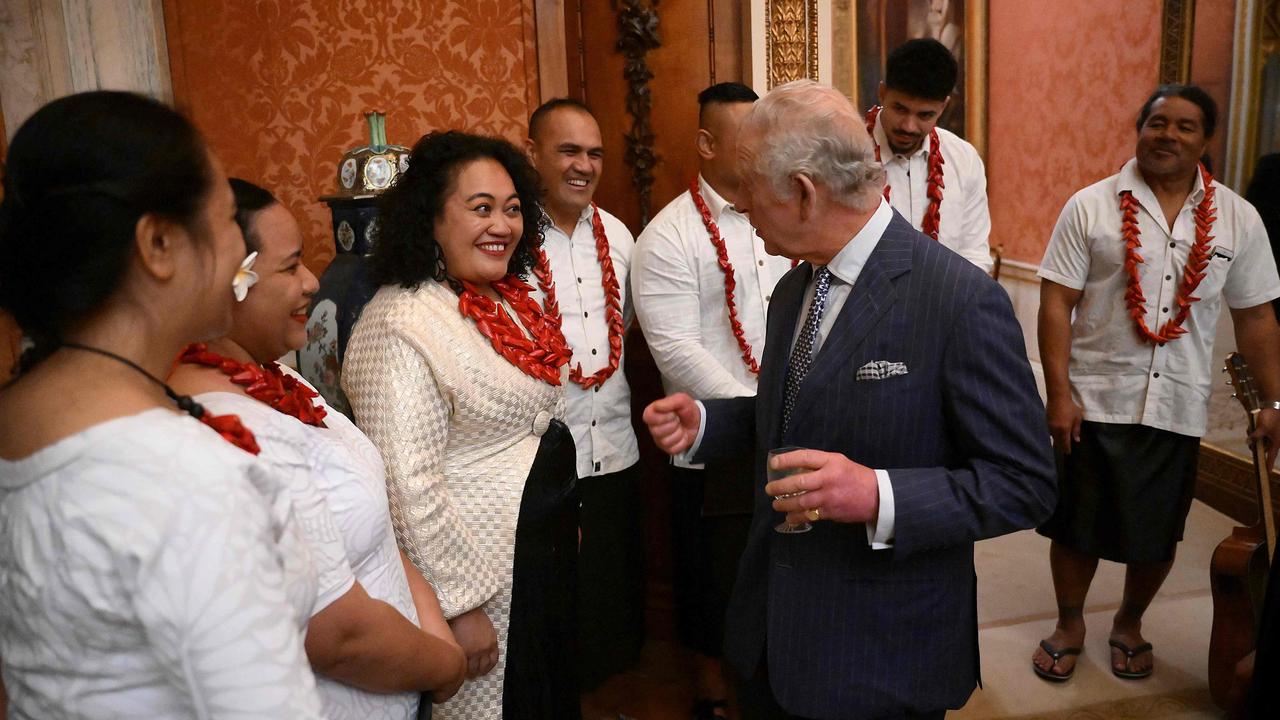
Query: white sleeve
x=211, y=597
x=880, y=530
x=400, y=407
x=975, y=245
x=1252, y=278
x=1066, y=260
x=664, y=282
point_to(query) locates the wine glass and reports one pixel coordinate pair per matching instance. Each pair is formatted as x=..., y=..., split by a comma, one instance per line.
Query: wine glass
x=784, y=527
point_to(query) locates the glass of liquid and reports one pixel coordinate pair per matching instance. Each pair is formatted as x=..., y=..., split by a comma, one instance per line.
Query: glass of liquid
x=784, y=527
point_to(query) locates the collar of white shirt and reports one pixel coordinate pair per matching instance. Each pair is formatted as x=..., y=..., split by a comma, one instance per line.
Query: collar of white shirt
x=584, y=216
x=882, y=141
x=848, y=263
x=1131, y=180
x=715, y=203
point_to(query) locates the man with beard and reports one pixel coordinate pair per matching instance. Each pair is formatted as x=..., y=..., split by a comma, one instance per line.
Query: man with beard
x=934, y=178
x=1144, y=259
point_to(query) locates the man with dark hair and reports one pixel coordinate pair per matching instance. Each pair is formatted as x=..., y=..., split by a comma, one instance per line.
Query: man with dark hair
x=1134, y=279
x=702, y=283
x=583, y=267
x=936, y=180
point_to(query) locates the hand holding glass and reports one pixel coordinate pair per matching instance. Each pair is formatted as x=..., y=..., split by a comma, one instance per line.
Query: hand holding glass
x=787, y=528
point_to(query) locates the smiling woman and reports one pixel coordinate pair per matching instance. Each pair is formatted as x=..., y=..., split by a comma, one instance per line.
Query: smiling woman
x=456, y=374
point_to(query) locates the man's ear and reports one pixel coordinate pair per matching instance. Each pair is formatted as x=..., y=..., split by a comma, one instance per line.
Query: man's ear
x=528, y=148
x=807, y=193
x=156, y=240
x=880, y=93
x=945, y=104
x=706, y=144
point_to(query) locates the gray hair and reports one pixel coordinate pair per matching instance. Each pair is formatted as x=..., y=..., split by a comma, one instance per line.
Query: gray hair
x=811, y=129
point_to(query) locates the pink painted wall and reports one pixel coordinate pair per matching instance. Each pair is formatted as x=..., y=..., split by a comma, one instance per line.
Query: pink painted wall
x=1065, y=84
x=1211, y=48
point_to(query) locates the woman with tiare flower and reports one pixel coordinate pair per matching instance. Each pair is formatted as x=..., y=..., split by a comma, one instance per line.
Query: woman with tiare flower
x=371, y=658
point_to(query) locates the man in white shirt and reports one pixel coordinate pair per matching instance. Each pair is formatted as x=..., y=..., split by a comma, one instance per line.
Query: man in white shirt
x=589, y=256
x=935, y=179
x=1144, y=260
x=702, y=282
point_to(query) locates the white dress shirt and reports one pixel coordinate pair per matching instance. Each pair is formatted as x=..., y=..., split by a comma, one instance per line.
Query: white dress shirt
x=845, y=268
x=964, y=222
x=679, y=293
x=599, y=418
x=1116, y=376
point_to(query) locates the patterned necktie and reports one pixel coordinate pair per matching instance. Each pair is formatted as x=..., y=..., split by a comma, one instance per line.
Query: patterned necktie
x=802, y=353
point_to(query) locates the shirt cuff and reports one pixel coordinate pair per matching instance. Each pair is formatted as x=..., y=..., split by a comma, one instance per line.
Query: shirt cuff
x=687, y=455
x=880, y=532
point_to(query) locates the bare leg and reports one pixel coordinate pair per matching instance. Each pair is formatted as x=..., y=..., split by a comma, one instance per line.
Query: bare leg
x=1141, y=582
x=1072, y=574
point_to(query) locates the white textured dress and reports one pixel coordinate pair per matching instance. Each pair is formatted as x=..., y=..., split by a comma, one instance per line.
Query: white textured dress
x=148, y=568
x=338, y=473
x=458, y=427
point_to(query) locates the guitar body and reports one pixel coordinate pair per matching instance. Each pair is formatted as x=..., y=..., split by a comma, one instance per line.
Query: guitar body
x=1241, y=563
x=1237, y=577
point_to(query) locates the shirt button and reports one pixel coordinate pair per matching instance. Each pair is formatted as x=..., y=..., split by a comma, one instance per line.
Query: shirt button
x=1155, y=374
x=593, y=351
x=596, y=388
x=579, y=281
x=1173, y=244
x=597, y=466
x=1164, y=309
x=593, y=423
x=1168, y=277
x=767, y=298
x=761, y=262
x=584, y=313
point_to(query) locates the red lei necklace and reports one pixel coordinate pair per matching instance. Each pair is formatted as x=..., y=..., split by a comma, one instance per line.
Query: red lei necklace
x=612, y=303
x=268, y=384
x=722, y=257
x=933, y=215
x=540, y=358
x=1192, y=274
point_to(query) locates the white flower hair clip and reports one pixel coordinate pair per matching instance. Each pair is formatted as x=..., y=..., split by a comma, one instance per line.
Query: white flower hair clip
x=245, y=278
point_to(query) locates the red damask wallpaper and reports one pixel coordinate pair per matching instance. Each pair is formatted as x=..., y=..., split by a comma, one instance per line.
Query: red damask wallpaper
x=1066, y=81
x=278, y=86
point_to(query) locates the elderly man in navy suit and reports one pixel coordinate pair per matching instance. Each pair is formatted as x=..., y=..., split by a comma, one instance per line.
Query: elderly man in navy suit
x=900, y=368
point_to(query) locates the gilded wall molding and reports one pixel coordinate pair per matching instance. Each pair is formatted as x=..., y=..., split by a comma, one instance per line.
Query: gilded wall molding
x=637, y=35
x=1177, y=27
x=791, y=40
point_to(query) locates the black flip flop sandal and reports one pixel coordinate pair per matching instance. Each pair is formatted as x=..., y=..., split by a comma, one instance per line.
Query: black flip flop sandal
x=1129, y=655
x=1057, y=654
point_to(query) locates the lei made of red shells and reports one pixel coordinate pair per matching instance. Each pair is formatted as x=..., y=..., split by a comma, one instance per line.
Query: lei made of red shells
x=612, y=303
x=1192, y=273
x=722, y=258
x=268, y=384
x=541, y=357
x=933, y=214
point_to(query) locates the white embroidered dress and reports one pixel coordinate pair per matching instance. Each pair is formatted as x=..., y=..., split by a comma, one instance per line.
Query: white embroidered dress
x=150, y=569
x=340, y=473
x=458, y=427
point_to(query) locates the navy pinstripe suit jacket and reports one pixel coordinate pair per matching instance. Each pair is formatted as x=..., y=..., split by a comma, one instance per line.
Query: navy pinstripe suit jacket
x=856, y=633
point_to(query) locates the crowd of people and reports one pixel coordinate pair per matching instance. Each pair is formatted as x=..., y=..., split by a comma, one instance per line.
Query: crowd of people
x=187, y=529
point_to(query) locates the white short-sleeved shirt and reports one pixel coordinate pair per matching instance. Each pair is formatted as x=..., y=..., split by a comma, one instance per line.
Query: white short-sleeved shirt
x=340, y=479
x=149, y=568
x=964, y=222
x=1116, y=375
x=678, y=289
x=599, y=418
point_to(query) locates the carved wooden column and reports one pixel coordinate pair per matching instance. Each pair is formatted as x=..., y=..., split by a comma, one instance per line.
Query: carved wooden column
x=637, y=35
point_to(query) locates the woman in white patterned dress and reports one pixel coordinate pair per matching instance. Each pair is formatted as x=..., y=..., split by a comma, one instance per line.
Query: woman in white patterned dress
x=148, y=568
x=371, y=659
x=465, y=411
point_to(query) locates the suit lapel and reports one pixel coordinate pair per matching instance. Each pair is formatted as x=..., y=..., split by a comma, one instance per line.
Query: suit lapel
x=871, y=296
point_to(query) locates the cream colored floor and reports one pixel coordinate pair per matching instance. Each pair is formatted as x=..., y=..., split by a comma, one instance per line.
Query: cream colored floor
x=1016, y=609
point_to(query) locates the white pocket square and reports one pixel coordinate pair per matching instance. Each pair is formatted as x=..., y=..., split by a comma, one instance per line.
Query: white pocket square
x=881, y=370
